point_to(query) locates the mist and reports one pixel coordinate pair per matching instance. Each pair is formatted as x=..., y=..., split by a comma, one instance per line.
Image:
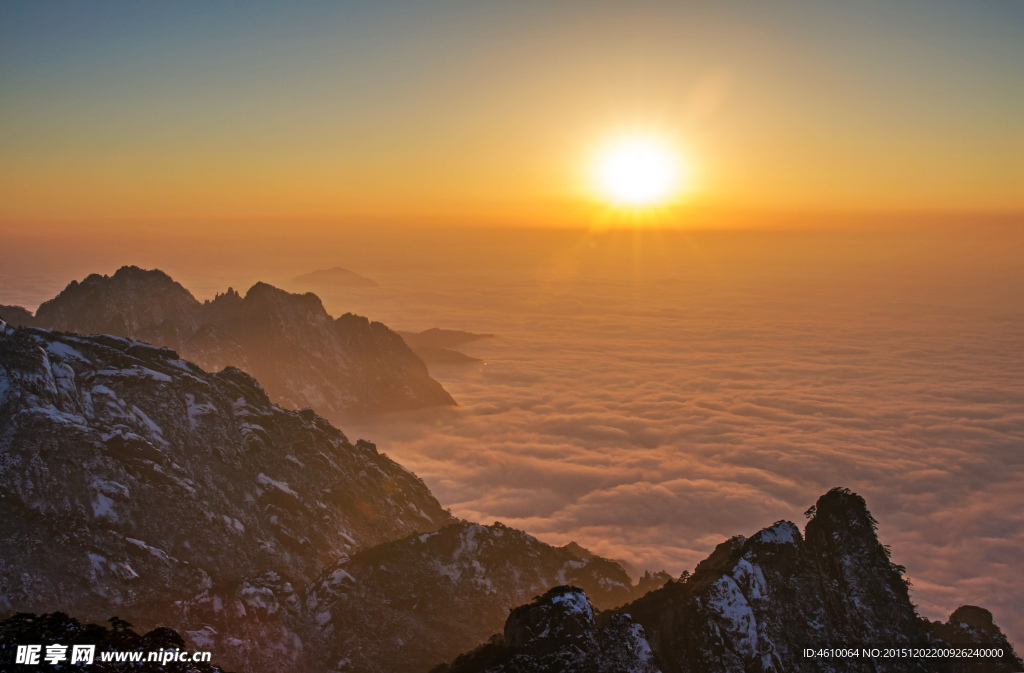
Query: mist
x=649, y=394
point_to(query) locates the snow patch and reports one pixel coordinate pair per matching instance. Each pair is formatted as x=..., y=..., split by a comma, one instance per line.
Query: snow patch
x=196, y=409
x=783, y=532
x=575, y=603
x=729, y=603
x=136, y=372
x=123, y=570
x=280, y=485
x=62, y=350
x=103, y=508
x=749, y=577
x=203, y=639
x=155, y=431
x=55, y=415
x=158, y=553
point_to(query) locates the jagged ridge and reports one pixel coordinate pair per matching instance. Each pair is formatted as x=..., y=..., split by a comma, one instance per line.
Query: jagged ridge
x=754, y=604
x=341, y=367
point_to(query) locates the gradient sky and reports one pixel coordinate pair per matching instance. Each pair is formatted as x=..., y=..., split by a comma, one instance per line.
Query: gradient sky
x=121, y=114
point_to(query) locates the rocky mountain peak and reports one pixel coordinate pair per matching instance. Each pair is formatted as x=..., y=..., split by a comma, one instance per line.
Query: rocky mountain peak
x=263, y=297
x=973, y=617
x=133, y=302
x=577, y=550
x=841, y=511
x=558, y=632
x=562, y=617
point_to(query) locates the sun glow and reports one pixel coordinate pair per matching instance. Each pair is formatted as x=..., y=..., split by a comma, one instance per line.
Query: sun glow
x=639, y=171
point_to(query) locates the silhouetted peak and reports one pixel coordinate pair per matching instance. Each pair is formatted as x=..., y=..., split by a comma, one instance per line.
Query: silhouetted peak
x=231, y=294
x=578, y=551
x=135, y=303
x=563, y=614
x=264, y=294
x=125, y=278
x=17, y=316
x=722, y=555
x=224, y=305
x=841, y=511
x=973, y=617
x=137, y=273
x=335, y=277
x=972, y=626
x=351, y=320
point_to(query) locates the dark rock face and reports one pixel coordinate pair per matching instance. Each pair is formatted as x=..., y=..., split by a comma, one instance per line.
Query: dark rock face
x=131, y=479
x=16, y=316
x=300, y=354
x=254, y=624
x=57, y=628
x=406, y=605
x=972, y=626
x=557, y=632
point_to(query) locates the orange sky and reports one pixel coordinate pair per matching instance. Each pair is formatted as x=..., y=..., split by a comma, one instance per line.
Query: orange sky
x=492, y=115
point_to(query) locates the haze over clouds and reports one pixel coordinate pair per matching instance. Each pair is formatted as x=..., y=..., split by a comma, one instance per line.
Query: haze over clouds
x=649, y=395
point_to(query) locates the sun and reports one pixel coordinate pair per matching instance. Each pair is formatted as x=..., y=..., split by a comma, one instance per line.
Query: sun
x=638, y=170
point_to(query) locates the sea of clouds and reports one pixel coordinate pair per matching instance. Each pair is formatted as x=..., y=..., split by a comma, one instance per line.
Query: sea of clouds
x=649, y=395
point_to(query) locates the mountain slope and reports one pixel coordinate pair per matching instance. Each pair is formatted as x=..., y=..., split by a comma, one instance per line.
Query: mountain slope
x=131, y=478
x=301, y=355
x=406, y=605
x=343, y=367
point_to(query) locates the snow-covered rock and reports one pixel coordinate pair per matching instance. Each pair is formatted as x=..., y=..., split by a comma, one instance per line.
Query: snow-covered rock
x=404, y=606
x=132, y=480
x=558, y=632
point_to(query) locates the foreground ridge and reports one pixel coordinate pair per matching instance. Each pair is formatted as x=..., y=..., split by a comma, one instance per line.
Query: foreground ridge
x=58, y=628
x=755, y=605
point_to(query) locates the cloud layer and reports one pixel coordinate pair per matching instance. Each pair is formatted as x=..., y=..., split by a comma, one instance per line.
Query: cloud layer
x=649, y=414
x=649, y=396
